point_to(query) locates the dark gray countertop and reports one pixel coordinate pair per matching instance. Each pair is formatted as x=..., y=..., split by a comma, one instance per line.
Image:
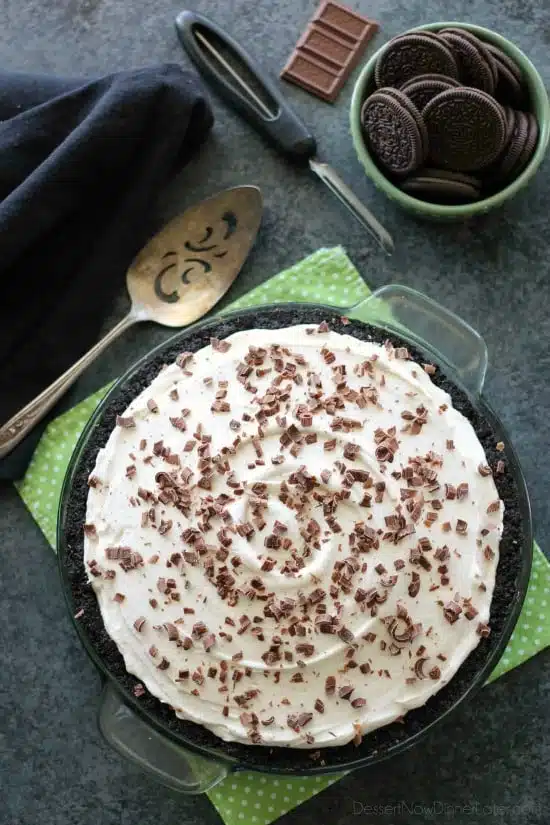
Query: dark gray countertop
x=494, y=752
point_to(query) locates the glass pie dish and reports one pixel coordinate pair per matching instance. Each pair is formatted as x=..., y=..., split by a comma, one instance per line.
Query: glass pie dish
x=186, y=756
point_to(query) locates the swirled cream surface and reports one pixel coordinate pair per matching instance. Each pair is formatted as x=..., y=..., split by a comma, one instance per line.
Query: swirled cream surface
x=293, y=537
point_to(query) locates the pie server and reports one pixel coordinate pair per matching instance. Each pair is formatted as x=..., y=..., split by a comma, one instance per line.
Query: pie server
x=247, y=88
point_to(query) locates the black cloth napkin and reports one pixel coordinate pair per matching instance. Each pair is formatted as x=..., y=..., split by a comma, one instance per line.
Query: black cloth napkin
x=81, y=164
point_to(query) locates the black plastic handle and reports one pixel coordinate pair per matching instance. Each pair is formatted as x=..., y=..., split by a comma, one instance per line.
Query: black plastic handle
x=266, y=110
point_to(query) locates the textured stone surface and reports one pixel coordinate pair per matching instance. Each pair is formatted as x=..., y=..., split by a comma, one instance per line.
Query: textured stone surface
x=494, y=273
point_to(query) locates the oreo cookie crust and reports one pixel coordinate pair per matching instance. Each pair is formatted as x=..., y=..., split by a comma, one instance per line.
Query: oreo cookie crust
x=410, y=55
x=474, y=69
x=392, y=134
x=467, y=129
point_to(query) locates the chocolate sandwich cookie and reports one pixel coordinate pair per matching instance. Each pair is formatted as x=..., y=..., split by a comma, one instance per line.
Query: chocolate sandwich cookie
x=466, y=128
x=430, y=76
x=479, y=44
x=509, y=86
x=510, y=116
x=501, y=57
x=448, y=175
x=407, y=104
x=529, y=146
x=392, y=134
x=442, y=186
x=421, y=92
x=410, y=55
x=503, y=170
x=474, y=69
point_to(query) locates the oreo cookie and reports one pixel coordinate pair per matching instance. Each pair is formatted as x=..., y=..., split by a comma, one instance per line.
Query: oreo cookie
x=456, y=103
x=442, y=186
x=431, y=76
x=501, y=173
x=509, y=86
x=412, y=54
x=529, y=145
x=510, y=116
x=466, y=128
x=392, y=134
x=474, y=69
x=407, y=104
x=501, y=57
x=479, y=44
x=420, y=92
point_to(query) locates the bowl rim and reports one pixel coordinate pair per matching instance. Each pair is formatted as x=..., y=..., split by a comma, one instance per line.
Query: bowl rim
x=435, y=210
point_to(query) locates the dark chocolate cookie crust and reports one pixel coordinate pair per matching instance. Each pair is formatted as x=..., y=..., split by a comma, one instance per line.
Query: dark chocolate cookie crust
x=511, y=581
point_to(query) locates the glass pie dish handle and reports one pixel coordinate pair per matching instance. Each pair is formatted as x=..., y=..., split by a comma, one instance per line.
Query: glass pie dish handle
x=452, y=342
x=176, y=767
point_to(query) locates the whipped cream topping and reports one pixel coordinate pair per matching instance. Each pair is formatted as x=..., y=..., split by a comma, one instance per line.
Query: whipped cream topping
x=293, y=543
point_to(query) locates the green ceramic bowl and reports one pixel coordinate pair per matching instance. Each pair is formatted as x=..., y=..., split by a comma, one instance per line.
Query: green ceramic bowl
x=540, y=108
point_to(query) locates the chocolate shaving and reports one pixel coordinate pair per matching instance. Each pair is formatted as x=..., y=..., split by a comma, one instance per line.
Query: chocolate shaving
x=452, y=611
x=419, y=668
x=346, y=635
x=351, y=451
x=330, y=685
x=345, y=691
x=414, y=586
x=178, y=423
x=126, y=422
x=450, y=491
x=220, y=346
x=183, y=359
x=172, y=630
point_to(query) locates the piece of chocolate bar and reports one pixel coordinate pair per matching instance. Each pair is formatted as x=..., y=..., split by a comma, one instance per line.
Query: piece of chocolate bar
x=329, y=50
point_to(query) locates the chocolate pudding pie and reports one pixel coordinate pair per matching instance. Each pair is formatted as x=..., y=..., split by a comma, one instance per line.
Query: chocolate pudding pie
x=293, y=536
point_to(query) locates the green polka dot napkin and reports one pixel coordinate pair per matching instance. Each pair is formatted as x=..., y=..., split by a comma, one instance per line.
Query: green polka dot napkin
x=327, y=276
